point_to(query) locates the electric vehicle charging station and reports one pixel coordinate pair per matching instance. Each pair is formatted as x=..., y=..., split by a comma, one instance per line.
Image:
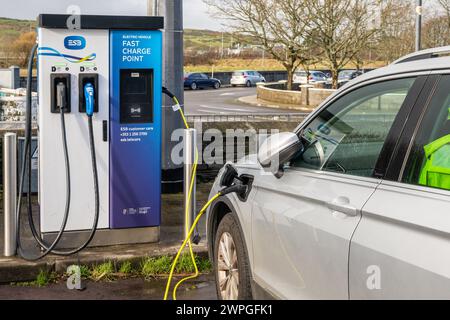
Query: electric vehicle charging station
x=113, y=66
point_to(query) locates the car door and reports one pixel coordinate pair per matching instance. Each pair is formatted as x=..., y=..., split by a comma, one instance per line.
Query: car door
x=302, y=223
x=401, y=248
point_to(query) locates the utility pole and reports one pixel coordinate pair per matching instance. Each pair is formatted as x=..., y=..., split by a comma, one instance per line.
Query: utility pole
x=418, y=24
x=152, y=7
x=172, y=11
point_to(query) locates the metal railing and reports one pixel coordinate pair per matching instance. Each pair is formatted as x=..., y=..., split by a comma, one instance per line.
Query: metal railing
x=246, y=117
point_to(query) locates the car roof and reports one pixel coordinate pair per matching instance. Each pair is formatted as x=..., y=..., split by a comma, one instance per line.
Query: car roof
x=437, y=63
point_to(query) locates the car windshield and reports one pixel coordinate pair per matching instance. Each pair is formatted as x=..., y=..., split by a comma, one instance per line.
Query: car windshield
x=238, y=74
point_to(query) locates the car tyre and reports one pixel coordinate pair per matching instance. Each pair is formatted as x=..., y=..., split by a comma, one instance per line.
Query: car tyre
x=194, y=86
x=231, y=265
x=216, y=85
x=248, y=84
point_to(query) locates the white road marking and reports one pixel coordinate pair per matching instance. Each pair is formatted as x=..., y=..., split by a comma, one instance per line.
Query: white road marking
x=209, y=111
x=228, y=94
x=223, y=108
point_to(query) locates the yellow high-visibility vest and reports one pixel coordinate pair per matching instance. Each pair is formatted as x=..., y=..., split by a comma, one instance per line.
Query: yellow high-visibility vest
x=436, y=171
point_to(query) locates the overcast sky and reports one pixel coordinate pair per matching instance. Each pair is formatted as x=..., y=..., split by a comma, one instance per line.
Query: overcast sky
x=195, y=11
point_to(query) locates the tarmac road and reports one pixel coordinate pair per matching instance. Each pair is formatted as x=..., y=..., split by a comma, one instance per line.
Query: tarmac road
x=223, y=101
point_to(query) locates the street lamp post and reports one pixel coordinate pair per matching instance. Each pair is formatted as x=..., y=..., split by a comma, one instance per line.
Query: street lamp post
x=418, y=24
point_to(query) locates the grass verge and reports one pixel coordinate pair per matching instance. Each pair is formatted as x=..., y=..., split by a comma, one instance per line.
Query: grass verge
x=148, y=268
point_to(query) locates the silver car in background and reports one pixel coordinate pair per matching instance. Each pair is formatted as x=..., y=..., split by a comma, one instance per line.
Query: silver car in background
x=246, y=78
x=358, y=206
x=314, y=77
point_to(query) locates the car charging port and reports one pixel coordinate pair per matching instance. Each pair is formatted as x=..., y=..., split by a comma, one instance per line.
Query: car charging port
x=241, y=185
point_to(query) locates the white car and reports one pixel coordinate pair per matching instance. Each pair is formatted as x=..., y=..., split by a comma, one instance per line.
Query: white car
x=314, y=77
x=246, y=78
x=358, y=206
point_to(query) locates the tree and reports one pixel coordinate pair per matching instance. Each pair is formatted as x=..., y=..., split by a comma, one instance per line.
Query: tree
x=396, y=36
x=277, y=26
x=436, y=32
x=21, y=47
x=445, y=4
x=342, y=29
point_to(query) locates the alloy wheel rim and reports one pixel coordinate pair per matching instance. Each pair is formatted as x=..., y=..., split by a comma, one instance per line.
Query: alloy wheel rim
x=228, y=273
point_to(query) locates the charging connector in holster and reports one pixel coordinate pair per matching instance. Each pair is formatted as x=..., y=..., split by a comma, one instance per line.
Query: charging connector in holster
x=60, y=91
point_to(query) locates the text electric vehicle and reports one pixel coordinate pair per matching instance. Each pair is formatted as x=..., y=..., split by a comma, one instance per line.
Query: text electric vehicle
x=358, y=206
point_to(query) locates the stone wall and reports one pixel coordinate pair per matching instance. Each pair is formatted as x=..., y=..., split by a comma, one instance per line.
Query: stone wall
x=13, y=105
x=307, y=96
x=279, y=96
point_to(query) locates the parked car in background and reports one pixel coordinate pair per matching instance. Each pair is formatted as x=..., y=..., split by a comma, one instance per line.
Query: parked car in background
x=314, y=77
x=354, y=203
x=246, y=78
x=195, y=81
x=347, y=75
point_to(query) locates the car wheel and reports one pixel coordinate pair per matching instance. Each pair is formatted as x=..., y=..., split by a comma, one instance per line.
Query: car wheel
x=193, y=86
x=216, y=85
x=231, y=264
x=248, y=84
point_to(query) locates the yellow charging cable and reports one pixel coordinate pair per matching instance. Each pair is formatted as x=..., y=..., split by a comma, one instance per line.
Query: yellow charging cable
x=188, y=238
x=191, y=230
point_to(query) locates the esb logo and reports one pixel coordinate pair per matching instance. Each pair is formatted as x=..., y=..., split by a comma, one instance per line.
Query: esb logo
x=74, y=42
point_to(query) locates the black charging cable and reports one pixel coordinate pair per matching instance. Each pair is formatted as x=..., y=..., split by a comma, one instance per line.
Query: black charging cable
x=61, y=101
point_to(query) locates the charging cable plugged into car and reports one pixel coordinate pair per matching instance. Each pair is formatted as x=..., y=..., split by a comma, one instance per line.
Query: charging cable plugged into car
x=231, y=183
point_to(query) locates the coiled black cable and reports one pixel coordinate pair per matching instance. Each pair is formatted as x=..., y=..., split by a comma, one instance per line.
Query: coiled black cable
x=26, y=163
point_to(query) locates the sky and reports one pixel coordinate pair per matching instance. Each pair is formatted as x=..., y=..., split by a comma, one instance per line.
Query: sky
x=195, y=11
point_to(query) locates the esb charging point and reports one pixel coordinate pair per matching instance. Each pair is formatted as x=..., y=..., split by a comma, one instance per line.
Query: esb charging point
x=121, y=56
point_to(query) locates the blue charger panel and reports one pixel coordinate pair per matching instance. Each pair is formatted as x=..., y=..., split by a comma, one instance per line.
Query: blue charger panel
x=135, y=128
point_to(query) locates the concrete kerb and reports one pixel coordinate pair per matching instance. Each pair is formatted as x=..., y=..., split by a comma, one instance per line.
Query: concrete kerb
x=256, y=102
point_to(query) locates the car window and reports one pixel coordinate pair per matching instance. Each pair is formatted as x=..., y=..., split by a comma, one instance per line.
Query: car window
x=348, y=135
x=203, y=76
x=238, y=74
x=344, y=74
x=429, y=160
x=195, y=76
x=320, y=74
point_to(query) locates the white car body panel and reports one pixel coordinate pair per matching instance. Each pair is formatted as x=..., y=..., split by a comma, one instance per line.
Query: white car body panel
x=404, y=240
x=300, y=244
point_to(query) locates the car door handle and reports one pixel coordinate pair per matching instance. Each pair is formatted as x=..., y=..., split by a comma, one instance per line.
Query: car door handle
x=342, y=204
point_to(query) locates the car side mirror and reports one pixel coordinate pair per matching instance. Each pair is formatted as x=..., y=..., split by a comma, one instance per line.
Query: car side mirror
x=278, y=149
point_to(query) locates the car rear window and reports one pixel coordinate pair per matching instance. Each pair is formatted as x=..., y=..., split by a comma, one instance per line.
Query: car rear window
x=238, y=74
